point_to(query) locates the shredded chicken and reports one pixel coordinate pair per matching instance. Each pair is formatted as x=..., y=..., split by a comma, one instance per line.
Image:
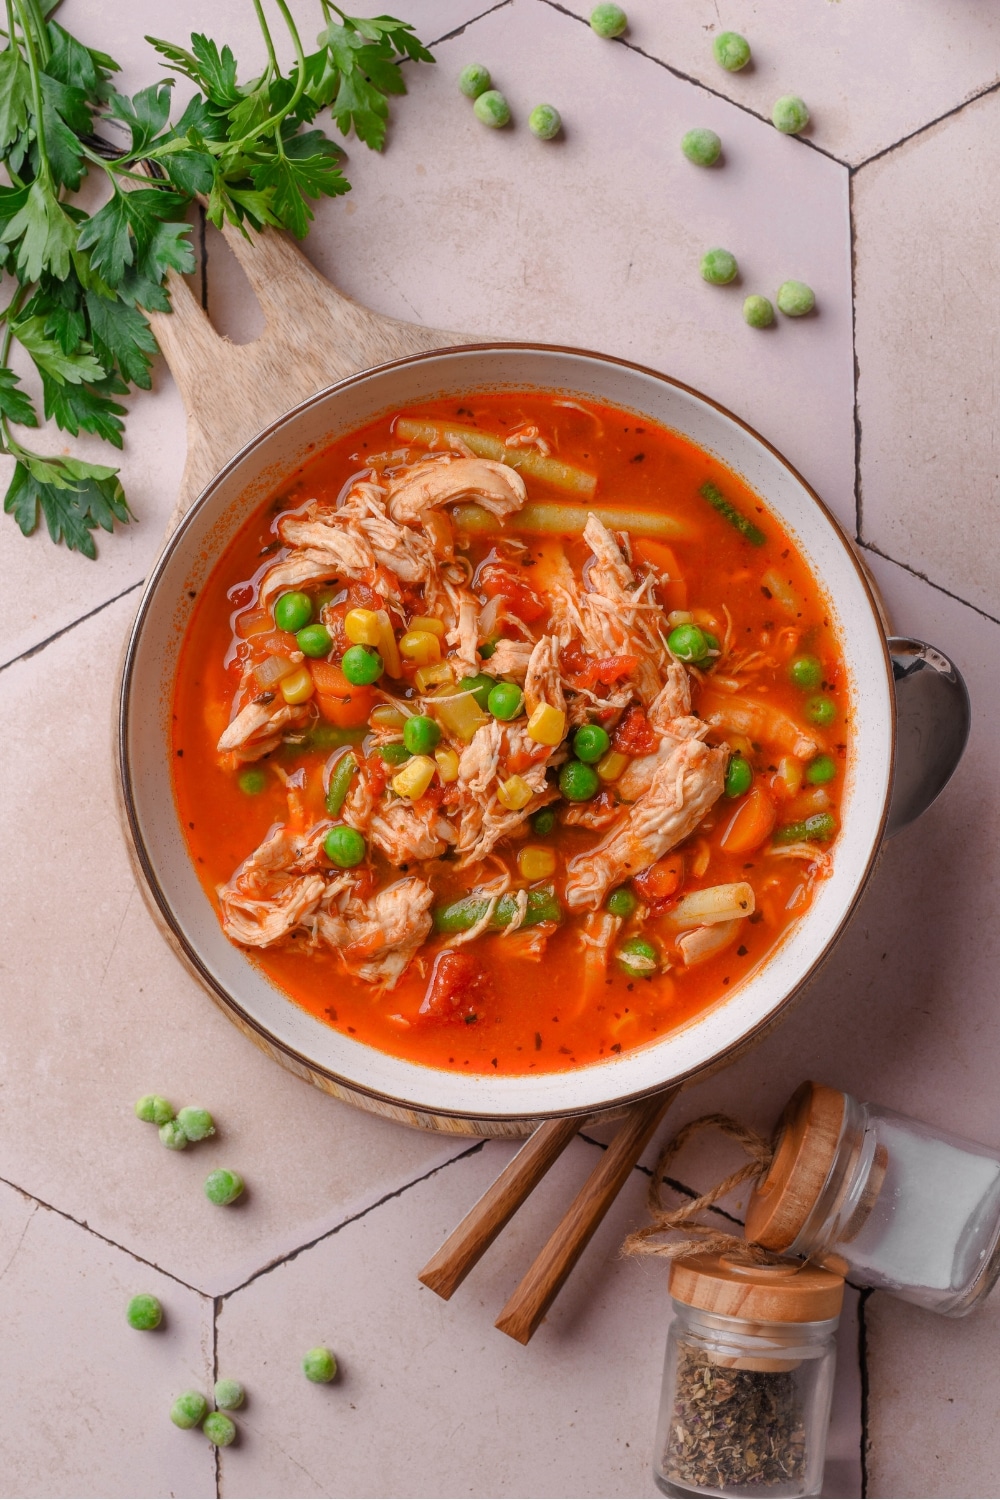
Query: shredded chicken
x=543, y=679
x=510, y=659
x=272, y=893
x=497, y=487
x=257, y=728
x=376, y=938
x=405, y=833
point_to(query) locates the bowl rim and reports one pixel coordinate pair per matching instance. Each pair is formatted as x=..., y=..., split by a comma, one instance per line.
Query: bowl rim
x=187, y=950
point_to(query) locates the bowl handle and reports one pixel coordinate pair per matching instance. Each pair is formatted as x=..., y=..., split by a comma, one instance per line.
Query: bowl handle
x=933, y=717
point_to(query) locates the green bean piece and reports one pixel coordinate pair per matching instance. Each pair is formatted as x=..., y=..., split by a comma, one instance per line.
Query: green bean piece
x=474, y=80
x=492, y=109
x=229, y=1395
x=340, y=783
x=719, y=266
x=820, y=828
x=731, y=51
x=718, y=501
x=154, y=1109
x=702, y=147
x=795, y=299
x=460, y=915
x=637, y=958
x=821, y=770
x=319, y=1365
x=757, y=311
x=608, y=20
x=544, y=821
x=821, y=710
x=197, y=1124
x=806, y=672
x=219, y=1429
x=739, y=776
x=189, y=1409
x=144, y=1312
x=394, y=754
x=622, y=902
x=790, y=115
x=545, y=122
x=223, y=1186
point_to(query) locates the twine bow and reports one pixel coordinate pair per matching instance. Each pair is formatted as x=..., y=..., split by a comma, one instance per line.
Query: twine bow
x=701, y=1238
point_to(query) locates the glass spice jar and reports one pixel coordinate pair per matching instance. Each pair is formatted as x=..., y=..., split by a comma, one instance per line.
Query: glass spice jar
x=748, y=1378
x=889, y=1202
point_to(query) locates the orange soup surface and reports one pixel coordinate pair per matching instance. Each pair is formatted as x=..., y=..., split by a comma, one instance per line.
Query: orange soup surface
x=510, y=735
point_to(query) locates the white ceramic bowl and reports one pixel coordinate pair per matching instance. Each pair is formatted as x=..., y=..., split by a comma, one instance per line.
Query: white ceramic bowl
x=339, y=1063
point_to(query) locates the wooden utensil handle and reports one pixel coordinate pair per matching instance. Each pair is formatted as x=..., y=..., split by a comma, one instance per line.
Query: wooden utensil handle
x=467, y=1244
x=543, y=1281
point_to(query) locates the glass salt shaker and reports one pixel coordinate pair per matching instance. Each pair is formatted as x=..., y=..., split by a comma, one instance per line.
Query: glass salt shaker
x=888, y=1202
x=748, y=1378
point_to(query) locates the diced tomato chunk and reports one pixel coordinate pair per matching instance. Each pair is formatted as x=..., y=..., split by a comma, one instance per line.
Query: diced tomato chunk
x=521, y=599
x=274, y=643
x=459, y=987
x=634, y=735
x=607, y=670
x=573, y=659
x=660, y=881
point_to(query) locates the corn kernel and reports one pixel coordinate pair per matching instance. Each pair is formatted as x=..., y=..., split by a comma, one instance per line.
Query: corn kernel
x=433, y=676
x=421, y=647
x=362, y=627
x=612, y=765
x=515, y=793
x=447, y=764
x=679, y=617
x=547, y=725
x=387, y=716
x=298, y=686
x=387, y=648
x=415, y=777
x=536, y=863
x=427, y=622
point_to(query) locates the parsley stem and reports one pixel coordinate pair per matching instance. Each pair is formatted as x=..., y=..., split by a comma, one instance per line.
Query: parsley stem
x=273, y=66
x=41, y=31
x=272, y=126
x=36, y=96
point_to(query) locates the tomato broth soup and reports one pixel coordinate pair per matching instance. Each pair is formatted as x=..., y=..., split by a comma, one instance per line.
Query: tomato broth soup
x=511, y=734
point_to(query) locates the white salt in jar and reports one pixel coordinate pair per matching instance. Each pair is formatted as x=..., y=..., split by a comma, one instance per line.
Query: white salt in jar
x=886, y=1201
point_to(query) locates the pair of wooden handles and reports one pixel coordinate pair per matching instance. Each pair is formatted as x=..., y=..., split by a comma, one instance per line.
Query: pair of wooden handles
x=540, y=1285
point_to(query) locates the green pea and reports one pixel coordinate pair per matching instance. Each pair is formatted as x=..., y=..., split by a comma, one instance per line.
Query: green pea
x=714, y=649
x=731, y=51
x=790, y=115
x=622, y=902
x=544, y=821
x=189, y=1409
x=719, y=267
x=590, y=743
x=492, y=109
x=319, y=1365
x=479, y=686
x=292, y=611
x=578, y=782
x=252, y=782
x=688, y=643
x=394, y=754
x=703, y=147
x=223, y=1186
x=474, y=80
x=637, y=958
x=219, y=1429
x=487, y=649
x=757, y=311
x=821, y=710
x=345, y=847
x=172, y=1135
x=821, y=770
x=545, y=122
x=795, y=299
x=361, y=666
x=505, y=700
x=739, y=776
x=315, y=640
x=154, y=1109
x=608, y=20
x=229, y=1395
x=197, y=1124
x=420, y=734
x=144, y=1312
x=806, y=672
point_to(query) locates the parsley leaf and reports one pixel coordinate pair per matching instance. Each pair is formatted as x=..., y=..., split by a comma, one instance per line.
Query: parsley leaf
x=51, y=358
x=122, y=337
x=86, y=407
x=15, y=96
x=73, y=497
x=43, y=232
x=145, y=113
x=14, y=404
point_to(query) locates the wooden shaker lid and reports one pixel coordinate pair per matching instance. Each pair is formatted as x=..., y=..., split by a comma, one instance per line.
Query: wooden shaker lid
x=809, y=1133
x=789, y=1292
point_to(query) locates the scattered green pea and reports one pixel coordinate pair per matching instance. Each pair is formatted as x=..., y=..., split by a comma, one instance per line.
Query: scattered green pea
x=219, y=1429
x=319, y=1366
x=608, y=20
x=578, y=782
x=394, y=753
x=189, y=1409
x=487, y=649
x=173, y=1136
x=637, y=958
x=757, y=311
x=795, y=299
x=790, y=115
x=251, y=783
x=314, y=640
x=806, y=672
x=154, y=1109
x=739, y=776
x=223, y=1186
x=474, y=80
x=719, y=267
x=492, y=109
x=479, y=686
x=821, y=710
x=420, y=734
x=144, y=1312
x=688, y=643
x=292, y=611
x=197, y=1124
x=622, y=902
x=544, y=821
x=361, y=666
x=703, y=147
x=229, y=1395
x=545, y=122
x=821, y=770
x=731, y=51
x=505, y=700
x=345, y=847
x=590, y=743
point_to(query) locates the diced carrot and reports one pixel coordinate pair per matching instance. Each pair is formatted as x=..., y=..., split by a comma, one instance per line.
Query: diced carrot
x=750, y=825
x=275, y=643
x=340, y=701
x=254, y=622
x=660, y=881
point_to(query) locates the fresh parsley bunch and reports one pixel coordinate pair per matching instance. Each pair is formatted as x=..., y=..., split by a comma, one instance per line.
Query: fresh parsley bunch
x=83, y=282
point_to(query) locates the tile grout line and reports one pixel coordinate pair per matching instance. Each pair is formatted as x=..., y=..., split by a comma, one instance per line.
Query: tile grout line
x=904, y=140
x=866, y=1292
x=678, y=1187
x=65, y=629
x=916, y=573
x=216, y=1304
x=449, y=35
